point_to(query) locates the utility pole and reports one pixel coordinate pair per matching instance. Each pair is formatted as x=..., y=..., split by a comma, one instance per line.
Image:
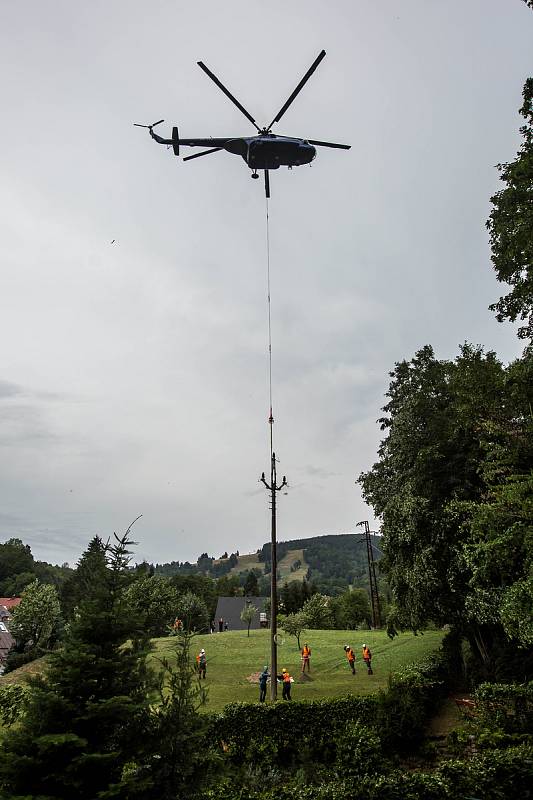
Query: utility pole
x=374, y=594
x=273, y=488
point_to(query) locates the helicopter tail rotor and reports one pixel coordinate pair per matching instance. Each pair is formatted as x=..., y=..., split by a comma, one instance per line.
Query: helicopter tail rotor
x=138, y=125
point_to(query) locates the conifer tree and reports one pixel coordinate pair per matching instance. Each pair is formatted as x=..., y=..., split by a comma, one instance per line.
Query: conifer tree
x=84, y=717
x=179, y=760
x=88, y=575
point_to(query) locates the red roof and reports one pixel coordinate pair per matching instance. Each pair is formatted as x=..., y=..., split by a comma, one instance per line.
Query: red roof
x=9, y=602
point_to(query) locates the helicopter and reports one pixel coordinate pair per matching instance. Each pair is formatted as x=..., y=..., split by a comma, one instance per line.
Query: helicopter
x=266, y=150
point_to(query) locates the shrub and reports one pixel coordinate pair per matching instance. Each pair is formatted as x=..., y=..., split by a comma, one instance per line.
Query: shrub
x=402, y=710
x=12, y=699
x=507, y=707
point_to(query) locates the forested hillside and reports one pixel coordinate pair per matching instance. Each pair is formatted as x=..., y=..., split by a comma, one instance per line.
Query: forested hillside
x=331, y=563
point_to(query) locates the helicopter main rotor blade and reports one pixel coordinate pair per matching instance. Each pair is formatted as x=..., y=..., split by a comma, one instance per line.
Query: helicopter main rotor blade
x=330, y=144
x=228, y=94
x=299, y=88
x=267, y=184
x=203, y=153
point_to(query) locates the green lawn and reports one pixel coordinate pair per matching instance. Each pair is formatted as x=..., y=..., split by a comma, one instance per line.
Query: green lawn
x=232, y=658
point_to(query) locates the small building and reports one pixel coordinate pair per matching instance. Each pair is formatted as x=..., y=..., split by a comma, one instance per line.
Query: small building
x=5, y=616
x=10, y=602
x=6, y=643
x=229, y=609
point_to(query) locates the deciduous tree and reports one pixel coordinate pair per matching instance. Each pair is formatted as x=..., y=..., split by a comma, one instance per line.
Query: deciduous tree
x=247, y=614
x=511, y=228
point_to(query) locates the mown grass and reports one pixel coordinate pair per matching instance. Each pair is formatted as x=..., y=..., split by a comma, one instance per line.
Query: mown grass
x=232, y=658
x=250, y=561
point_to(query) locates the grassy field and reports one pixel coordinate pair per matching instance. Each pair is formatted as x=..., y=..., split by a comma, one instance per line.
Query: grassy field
x=233, y=660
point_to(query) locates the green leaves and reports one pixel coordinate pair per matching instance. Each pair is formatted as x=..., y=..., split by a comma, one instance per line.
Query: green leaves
x=454, y=488
x=36, y=619
x=510, y=227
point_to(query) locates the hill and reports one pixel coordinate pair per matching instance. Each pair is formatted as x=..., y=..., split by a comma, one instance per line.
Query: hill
x=332, y=562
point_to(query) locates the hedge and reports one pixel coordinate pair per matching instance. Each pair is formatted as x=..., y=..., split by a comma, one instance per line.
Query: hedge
x=295, y=734
x=495, y=776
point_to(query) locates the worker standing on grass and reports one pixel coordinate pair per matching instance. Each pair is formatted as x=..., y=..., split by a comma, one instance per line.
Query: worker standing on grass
x=367, y=658
x=306, y=658
x=350, y=655
x=286, y=680
x=263, y=679
x=201, y=664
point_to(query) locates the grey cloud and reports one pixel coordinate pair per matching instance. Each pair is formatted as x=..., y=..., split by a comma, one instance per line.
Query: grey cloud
x=8, y=389
x=137, y=375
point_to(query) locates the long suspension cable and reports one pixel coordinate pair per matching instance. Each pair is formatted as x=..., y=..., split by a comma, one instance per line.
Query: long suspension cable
x=271, y=418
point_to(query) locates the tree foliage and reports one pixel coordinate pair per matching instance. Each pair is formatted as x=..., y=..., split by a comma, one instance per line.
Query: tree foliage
x=247, y=614
x=192, y=611
x=317, y=612
x=511, y=228
x=294, y=624
x=454, y=490
x=90, y=571
x=351, y=609
x=178, y=760
x=36, y=620
x=155, y=601
x=85, y=718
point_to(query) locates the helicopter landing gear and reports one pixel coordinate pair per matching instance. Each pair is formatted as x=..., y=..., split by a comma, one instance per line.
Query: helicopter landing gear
x=255, y=176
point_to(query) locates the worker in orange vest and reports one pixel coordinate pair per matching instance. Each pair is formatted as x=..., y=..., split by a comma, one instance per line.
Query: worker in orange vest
x=367, y=658
x=350, y=655
x=306, y=656
x=201, y=664
x=286, y=680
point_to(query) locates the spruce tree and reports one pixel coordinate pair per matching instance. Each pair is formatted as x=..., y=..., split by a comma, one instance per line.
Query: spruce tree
x=84, y=717
x=89, y=572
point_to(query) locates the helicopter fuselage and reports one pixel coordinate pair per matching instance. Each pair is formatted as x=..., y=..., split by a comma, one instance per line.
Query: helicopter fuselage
x=268, y=151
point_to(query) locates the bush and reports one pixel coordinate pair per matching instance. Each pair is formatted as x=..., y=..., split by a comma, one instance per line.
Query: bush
x=413, y=694
x=491, y=777
x=12, y=699
x=297, y=732
x=358, y=751
x=506, y=707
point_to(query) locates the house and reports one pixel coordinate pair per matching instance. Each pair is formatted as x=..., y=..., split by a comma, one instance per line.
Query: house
x=10, y=602
x=6, y=643
x=229, y=609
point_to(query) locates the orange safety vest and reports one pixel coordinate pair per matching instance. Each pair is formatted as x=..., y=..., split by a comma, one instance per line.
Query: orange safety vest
x=350, y=655
x=286, y=677
x=306, y=652
x=366, y=654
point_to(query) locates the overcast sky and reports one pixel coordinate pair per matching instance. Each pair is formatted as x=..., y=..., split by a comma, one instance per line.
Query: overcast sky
x=134, y=375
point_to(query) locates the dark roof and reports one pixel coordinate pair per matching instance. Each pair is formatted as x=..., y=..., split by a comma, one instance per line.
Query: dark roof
x=229, y=608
